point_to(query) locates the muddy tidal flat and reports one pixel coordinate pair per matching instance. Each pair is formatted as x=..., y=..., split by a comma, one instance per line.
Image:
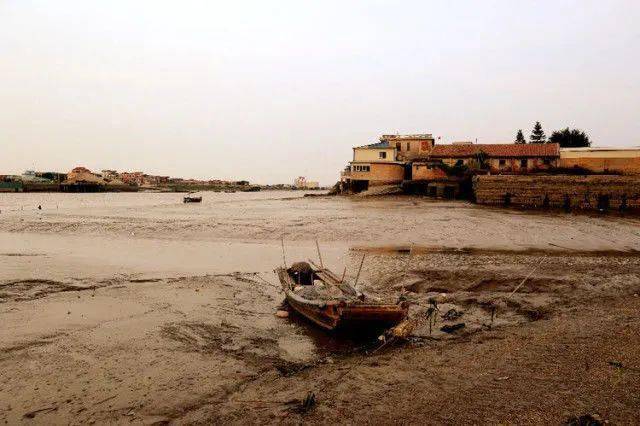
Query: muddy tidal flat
x=137, y=308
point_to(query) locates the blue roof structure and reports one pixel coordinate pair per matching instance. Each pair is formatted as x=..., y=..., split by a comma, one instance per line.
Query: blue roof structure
x=383, y=144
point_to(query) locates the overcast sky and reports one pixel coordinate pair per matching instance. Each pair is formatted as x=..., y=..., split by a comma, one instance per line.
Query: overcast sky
x=270, y=90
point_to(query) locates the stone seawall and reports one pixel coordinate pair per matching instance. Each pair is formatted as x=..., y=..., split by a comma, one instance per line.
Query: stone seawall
x=596, y=192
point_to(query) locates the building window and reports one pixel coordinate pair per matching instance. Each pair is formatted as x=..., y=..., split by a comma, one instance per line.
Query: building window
x=523, y=163
x=546, y=162
x=398, y=146
x=502, y=162
x=359, y=168
x=408, y=146
x=383, y=155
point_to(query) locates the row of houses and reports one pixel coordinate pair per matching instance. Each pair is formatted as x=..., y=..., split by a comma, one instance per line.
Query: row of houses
x=141, y=179
x=417, y=158
x=83, y=179
x=83, y=175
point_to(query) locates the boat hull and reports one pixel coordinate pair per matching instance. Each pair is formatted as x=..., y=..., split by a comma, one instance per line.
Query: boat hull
x=341, y=315
x=192, y=199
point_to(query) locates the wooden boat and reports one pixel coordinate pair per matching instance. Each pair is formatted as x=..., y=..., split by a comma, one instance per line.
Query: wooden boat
x=191, y=199
x=337, y=305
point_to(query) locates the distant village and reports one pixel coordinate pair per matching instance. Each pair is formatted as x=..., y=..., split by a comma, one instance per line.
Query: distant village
x=81, y=179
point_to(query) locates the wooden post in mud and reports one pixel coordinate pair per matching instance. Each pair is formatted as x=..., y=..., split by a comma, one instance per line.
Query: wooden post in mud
x=319, y=254
x=406, y=267
x=524, y=280
x=284, y=259
x=359, y=269
x=344, y=273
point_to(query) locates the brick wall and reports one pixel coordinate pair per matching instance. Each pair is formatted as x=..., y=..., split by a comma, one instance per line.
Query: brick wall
x=569, y=192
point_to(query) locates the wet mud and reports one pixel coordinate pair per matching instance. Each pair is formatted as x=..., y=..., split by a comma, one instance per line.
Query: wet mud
x=169, y=326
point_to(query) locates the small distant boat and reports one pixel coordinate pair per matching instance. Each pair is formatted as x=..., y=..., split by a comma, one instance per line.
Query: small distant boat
x=191, y=199
x=320, y=296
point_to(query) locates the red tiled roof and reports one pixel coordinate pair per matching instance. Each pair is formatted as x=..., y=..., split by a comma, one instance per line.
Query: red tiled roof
x=496, y=150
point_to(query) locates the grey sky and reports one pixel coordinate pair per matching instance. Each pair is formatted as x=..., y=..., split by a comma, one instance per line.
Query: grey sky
x=270, y=90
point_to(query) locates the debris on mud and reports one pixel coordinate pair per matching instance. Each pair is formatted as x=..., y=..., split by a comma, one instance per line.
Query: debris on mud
x=287, y=368
x=452, y=328
x=586, y=420
x=452, y=315
x=282, y=314
x=32, y=414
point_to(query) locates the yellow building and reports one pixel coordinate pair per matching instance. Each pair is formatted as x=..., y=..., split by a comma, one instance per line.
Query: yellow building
x=373, y=165
x=377, y=152
x=623, y=160
x=385, y=162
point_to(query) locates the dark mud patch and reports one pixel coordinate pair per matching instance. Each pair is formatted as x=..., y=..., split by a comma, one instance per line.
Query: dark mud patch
x=433, y=280
x=421, y=287
x=243, y=278
x=290, y=368
x=34, y=413
x=553, y=251
x=7, y=351
x=145, y=280
x=453, y=280
x=531, y=285
x=243, y=344
x=30, y=289
x=283, y=352
x=22, y=254
x=200, y=337
x=531, y=311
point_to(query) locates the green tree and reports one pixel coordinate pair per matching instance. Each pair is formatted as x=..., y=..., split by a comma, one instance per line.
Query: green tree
x=520, y=137
x=537, y=134
x=481, y=159
x=570, y=138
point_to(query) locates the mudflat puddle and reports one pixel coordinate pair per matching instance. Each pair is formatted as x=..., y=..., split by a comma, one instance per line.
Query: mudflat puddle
x=30, y=255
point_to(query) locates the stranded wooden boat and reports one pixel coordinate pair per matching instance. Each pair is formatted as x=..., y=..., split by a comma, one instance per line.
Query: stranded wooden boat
x=320, y=296
x=190, y=199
